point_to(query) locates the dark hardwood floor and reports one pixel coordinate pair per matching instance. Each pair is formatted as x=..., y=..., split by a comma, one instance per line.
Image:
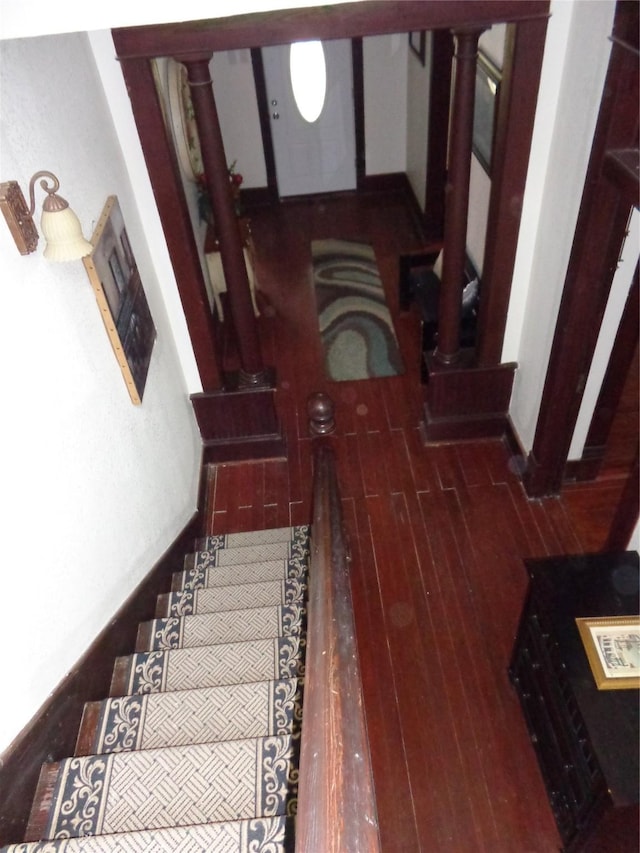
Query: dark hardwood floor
x=438, y=537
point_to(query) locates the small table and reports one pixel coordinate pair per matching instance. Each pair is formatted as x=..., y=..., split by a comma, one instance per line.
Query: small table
x=586, y=740
x=214, y=264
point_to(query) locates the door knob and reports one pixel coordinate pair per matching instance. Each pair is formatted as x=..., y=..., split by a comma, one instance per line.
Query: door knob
x=275, y=115
x=274, y=103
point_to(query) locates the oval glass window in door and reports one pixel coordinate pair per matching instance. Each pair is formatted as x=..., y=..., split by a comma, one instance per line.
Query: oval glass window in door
x=308, y=71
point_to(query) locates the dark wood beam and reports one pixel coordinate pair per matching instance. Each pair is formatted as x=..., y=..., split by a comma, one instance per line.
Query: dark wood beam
x=600, y=230
x=524, y=51
x=457, y=194
x=164, y=172
x=346, y=20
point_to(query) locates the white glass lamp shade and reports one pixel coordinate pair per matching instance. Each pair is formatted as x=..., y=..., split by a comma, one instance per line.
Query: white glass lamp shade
x=65, y=241
x=308, y=71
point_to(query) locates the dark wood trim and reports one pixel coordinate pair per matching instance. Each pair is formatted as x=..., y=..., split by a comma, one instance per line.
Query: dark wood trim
x=336, y=800
x=457, y=194
x=51, y=734
x=524, y=49
x=254, y=197
x=348, y=20
x=438, y=137
x=627, y=512
x=239, y=424
x=601, y=226
x=357, y=64
x=265, y=123
x=164, y=173
x=199, y=39
x=215, y=165
x=620, y=360
x=585, y=468
x=465, y=402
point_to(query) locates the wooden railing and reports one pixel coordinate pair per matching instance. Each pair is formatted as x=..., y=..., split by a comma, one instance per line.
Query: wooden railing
x=336, y=802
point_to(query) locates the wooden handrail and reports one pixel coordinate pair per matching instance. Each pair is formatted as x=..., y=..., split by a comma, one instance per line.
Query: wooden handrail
x=336, y=801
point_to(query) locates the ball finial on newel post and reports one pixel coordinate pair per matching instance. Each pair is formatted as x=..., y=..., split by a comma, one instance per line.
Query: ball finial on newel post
x=321, y=412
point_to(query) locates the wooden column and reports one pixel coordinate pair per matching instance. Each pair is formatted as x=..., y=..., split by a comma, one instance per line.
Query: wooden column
x=252, y=371
x=610, y=191
x=439, y=103
x=457, y=194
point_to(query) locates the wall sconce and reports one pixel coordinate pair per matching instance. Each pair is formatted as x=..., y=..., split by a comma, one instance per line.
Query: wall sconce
x=59, y=224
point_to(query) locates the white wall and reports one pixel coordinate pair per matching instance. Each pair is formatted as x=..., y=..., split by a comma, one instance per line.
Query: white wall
x=41, y=17
x=575, y=64
x=385, y=103
x=94, y=489
x=491, y=43
x=418, y=90
x=235, y=94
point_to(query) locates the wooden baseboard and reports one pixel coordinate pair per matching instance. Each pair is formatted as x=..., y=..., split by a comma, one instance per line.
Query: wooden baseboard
x=464, y=402
x=397, y=182
x=51, y=734
x=587, y=467
x=239, y=423
x=257, y=197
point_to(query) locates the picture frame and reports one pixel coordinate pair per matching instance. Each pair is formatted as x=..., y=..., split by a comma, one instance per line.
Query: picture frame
x=418, y=44
x=487, y=92
x=115, y=279
x=612, y=645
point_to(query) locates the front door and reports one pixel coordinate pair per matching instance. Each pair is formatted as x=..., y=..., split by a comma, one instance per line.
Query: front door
x=318, y=156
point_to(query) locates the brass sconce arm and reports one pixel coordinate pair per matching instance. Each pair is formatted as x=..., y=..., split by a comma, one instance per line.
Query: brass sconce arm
x=65, y=242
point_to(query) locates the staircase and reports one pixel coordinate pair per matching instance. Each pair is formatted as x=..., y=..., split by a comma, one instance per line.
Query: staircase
x=197, y=746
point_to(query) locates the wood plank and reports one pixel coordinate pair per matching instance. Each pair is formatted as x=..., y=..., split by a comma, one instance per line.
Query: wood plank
x=438, y=535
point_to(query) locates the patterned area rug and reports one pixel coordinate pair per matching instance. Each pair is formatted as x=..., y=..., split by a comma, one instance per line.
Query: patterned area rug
x=355, y=323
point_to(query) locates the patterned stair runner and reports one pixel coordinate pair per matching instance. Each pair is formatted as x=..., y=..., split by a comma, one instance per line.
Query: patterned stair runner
x=214, y=599
x=230, y=626
x=197, y=747
x=209, y=714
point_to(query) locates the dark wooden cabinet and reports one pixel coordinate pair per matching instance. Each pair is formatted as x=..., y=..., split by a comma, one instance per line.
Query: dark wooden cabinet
x=586, y=739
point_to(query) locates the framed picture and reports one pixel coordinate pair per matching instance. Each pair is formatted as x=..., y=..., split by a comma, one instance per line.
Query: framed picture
x=484, y=113
x=612, y=645
x=115, y=279
x=418, y=44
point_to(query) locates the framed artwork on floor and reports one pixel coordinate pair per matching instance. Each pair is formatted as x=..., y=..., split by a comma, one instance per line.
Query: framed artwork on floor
x=612, y=645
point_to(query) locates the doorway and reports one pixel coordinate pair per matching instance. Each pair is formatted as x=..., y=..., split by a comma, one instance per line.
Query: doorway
x=312, y=156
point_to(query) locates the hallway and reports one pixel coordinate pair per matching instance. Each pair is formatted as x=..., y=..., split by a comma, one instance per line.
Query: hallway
x=438, y=536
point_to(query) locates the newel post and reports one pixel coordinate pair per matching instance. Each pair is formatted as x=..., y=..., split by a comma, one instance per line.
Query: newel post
x=252, y=371
x=321, y=411
x=457, y=195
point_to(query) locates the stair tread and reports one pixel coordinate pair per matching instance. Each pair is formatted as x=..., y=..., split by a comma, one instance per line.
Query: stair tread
x=240, y=573
x=229, y=626
x=221, y=598
x=251, y=537
x=203, y=715
x=172, y=786
x=243, y=836
x=207, y=666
